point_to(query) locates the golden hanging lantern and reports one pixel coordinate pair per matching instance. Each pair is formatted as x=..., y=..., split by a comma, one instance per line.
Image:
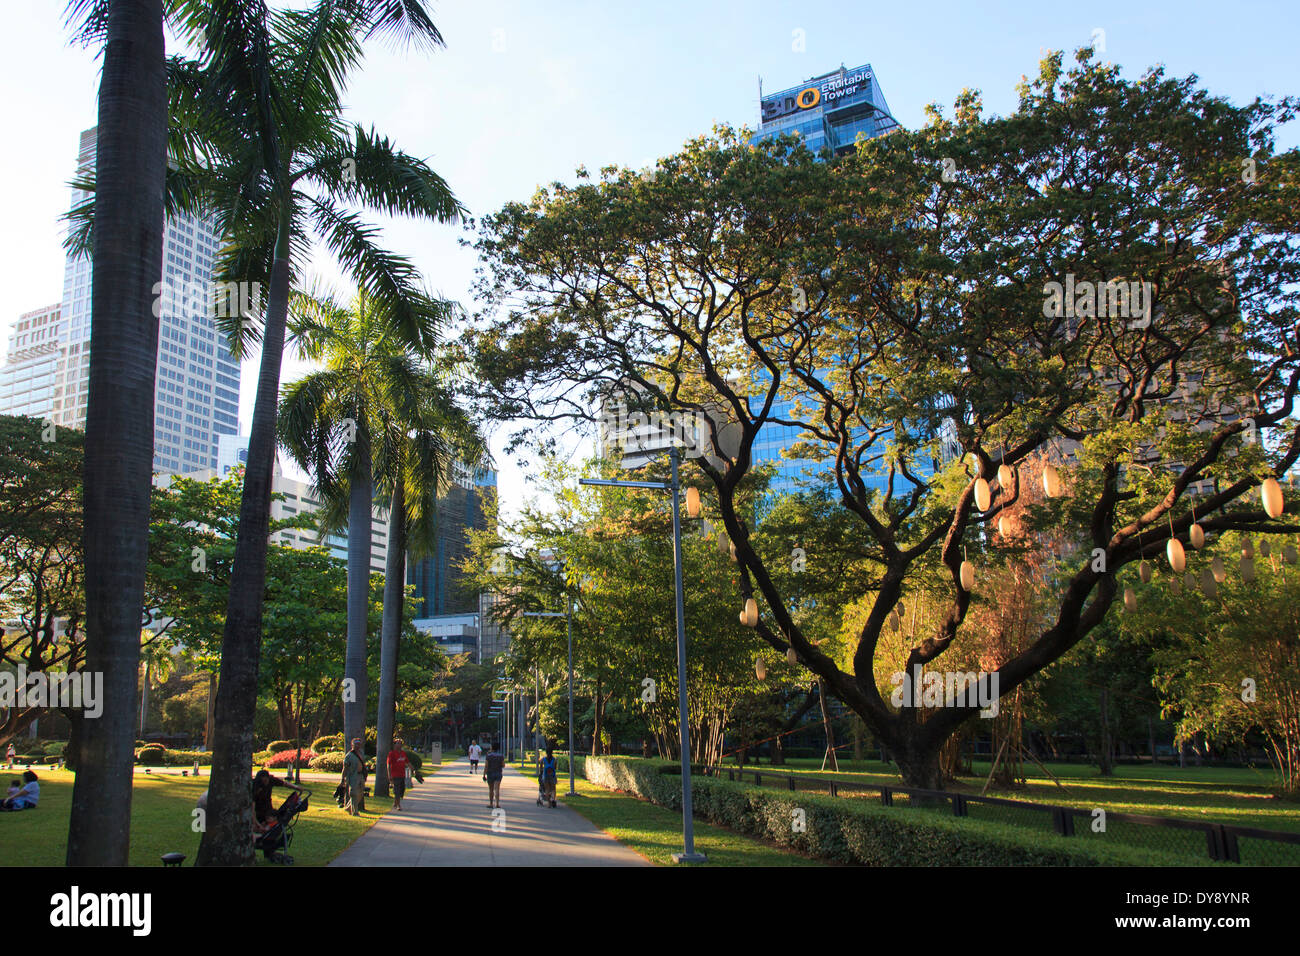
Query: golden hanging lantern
x=1208, y=584
x=1130, y=599
x=749, y=617
x=791, y=655
x=1005, y=477
x=1004, y=526
x=1218, y=570
x=1247, y=570
x=1144, y=572
x=967, y=576
x=760, y=669
x=1051, y=481
x=983, y=494
x=1177, y=556
x=1271, y=493
x=693, y=502
x=1197, y=535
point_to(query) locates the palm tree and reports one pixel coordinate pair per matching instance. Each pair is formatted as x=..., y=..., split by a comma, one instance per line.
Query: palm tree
x=416, y=470
x=258, y=140
x=375, y=417
x=127, y=257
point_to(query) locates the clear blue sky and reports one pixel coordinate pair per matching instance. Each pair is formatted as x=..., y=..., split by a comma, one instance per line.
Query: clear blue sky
x=525, y=92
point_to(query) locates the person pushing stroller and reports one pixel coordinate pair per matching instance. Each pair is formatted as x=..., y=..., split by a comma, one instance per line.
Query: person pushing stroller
x=546, y=779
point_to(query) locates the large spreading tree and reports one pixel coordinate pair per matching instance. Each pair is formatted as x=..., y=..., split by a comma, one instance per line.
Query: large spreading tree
x=897, y=307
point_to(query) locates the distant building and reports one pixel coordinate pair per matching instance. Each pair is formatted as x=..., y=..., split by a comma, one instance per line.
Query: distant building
x=438, y=580
x=196, y=397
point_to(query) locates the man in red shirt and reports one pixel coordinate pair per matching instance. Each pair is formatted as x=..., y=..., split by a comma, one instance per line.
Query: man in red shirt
x=397, y=763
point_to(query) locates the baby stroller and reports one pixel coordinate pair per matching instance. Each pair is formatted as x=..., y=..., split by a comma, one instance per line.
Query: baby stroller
x=276, y=841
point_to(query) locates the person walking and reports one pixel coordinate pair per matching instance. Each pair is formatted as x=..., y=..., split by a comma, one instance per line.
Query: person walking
x=10, y=754
x=475, y=752
x=354, y=777
x=494, y=768
x=398, y=765
x=546, y=768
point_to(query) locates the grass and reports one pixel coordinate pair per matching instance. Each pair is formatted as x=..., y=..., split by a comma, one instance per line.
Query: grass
x=656, y=833
x=161, y=817
x=1230, y=795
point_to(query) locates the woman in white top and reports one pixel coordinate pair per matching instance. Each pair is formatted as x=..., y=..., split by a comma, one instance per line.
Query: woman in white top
x=27, y=797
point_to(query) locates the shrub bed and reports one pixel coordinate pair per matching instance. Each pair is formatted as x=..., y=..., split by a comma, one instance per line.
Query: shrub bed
x=856, y=830
x=328, y=744
x=275, y=746
x=286, y=758
x=331, y=762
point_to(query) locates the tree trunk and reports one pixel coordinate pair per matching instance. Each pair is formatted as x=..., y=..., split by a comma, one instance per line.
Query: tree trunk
x=1106, y=768
x=596, y=708
x=361, y=498
x=390, y=634
x=210, y=727
x=1151, y=739
x=826, y=724
x=130, y=164
x=225, y=842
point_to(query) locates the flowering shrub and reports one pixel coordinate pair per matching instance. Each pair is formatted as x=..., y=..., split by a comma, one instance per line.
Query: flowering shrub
x=286, y=758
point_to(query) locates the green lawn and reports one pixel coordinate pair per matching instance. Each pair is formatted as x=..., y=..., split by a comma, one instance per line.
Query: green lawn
x=1229, y=795
x=656, y=833
x=161, y=822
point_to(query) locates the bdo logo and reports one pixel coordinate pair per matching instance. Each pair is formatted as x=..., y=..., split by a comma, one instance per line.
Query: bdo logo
x=809, y=98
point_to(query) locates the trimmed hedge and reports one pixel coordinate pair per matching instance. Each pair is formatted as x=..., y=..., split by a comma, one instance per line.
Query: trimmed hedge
x=275, y=746
x=328, y=744
x=857, y=830
x=331, y=762
x=55, y=748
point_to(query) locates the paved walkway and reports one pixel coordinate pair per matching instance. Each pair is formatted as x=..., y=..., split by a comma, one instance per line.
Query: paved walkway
x=445, y=821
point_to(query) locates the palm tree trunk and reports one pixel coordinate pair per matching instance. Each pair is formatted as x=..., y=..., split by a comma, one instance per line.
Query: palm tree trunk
x=225, y=840
x=394, y=597
x=131, y=161
x=361, y=498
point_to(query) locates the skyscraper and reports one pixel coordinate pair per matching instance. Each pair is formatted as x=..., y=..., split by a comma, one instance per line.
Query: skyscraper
x=196, y=396
x=31, y=369
x=438, y=579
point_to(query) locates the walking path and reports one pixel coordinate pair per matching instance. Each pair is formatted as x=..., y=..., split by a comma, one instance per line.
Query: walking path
x=445, y=821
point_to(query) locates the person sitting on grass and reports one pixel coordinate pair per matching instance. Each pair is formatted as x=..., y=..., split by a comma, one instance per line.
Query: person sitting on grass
x=27, y=796
x=14, y=787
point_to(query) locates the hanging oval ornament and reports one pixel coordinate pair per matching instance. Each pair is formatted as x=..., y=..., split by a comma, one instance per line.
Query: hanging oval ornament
x=791, y=655
x=1247, y=570
x=1197, y=535
x=1189, y=581
x=983, y=494
x=1209, y=586
x=1004, y=527
x=967, y=576
x=734, y=556
x=1289, y=554
x=1005, y=477
x=723, y=544
x=1130, y=599
x=1175, y=586
x=1264, y=548
x=1051, y=481
x=894, y=622
x=1177, y=556
x=760, y=669
x=1144, y=572
x=1248, y=549
x=1271, y=493
x=750, y=615
x=1218, y=570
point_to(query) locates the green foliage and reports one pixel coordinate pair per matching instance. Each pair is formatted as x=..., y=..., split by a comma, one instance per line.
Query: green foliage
x=858, y=831
x=275, y=746
x=329, y=742
x=331, y=762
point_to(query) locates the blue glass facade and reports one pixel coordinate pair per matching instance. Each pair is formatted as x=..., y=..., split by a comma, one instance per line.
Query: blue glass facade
x=438, y=579
x=827, y=112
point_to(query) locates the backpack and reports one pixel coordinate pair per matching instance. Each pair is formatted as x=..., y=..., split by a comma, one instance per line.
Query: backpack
x=548, y=769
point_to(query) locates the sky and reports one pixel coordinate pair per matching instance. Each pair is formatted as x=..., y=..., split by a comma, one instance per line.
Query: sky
x=524, y=93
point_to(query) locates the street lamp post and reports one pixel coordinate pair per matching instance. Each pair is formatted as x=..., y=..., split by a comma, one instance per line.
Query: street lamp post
x=568, y=626
x=688, y=854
